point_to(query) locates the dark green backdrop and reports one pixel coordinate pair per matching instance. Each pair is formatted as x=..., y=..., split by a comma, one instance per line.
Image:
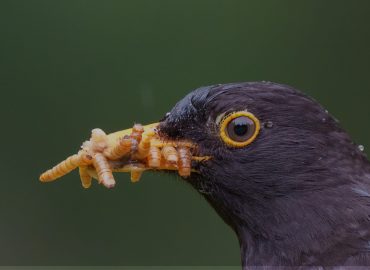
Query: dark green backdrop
x=69, y=66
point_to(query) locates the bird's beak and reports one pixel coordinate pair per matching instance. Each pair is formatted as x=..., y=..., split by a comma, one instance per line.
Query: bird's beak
x=133, y=150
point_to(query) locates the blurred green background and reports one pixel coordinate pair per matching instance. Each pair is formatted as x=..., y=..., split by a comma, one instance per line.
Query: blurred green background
x=69, y=66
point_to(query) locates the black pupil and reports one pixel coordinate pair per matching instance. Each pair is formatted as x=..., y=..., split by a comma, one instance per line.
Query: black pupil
x=240, y=129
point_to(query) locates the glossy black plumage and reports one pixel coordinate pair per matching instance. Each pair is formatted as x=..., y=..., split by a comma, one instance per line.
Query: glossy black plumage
x=299, y=195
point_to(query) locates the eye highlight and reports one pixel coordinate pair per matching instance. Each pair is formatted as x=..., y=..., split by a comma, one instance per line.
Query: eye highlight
x=239, y=129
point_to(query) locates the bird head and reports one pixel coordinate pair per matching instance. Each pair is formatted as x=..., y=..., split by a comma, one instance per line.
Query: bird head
x=280, y=165
x=273, y=163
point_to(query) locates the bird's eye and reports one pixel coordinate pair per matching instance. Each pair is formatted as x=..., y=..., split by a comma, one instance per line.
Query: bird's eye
x=239, y=129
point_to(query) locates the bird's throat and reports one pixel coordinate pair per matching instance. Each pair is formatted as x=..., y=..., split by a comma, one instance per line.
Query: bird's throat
x=279, y=231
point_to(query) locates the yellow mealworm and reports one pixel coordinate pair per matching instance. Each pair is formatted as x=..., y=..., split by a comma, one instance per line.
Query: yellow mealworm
x=121, y=149
x=85, y=158
x=170, y=154
x=103, y=170
x=136, y=175
x=184, y=161
x=167, y=166
x=154, y=157
x=98, y=139
x=65, y=167
x=85, y=177
x=144, y=145
x=136, y=133
x=161, y=143
x=201, y=159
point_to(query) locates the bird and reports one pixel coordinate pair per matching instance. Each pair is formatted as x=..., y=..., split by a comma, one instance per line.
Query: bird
x=287, y=179
x=273, y=163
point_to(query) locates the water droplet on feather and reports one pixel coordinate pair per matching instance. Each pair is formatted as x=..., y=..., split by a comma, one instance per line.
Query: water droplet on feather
x=269, y=124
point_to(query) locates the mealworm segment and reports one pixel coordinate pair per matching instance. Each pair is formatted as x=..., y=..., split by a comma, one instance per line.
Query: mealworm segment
x=85, y=177
x=133, y=150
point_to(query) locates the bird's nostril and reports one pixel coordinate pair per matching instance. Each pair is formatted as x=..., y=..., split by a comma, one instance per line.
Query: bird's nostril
x=168, y=131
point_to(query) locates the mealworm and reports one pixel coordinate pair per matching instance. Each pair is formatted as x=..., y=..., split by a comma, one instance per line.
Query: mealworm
x=170, y=154
x=161, y=143
x=184, y=161
x=144, y=145
x=154, y=157
x=136, y=175
x=121, y=149
x=103, y=170
x=137, y=131
x=167, y=166
x=85, y=177
x=65, y=167
x=98, y=140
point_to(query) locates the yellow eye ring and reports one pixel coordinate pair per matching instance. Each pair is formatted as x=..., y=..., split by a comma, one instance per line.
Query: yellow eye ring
x=249, y=124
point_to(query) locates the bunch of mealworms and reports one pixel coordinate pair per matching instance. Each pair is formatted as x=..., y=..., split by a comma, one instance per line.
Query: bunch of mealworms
x=136, y=152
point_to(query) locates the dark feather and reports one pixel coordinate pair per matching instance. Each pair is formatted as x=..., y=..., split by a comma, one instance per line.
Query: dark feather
x=299, y=195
